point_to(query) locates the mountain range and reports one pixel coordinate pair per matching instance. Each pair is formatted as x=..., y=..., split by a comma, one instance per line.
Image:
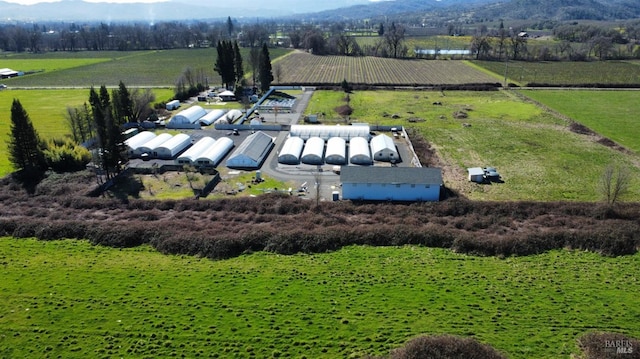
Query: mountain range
x=332, y=10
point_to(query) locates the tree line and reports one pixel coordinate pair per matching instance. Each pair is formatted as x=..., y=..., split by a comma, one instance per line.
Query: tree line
x=97, y=124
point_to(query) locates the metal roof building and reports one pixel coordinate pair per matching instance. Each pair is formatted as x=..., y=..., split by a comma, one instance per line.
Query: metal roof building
x=214, y=154
x=336, y=152
x=359, y=152
x=170, y=148
x=190, y=156
x=391, y=183
x=151, y=145
x=251, y=152
x=313, y=153
x=211, y=117
x=291, y=150
x=383, y=149
x=190, y=115
x=326, y=132
x=137, y=141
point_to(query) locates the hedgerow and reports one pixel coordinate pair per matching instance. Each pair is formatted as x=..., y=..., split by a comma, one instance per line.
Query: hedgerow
x=285, y=224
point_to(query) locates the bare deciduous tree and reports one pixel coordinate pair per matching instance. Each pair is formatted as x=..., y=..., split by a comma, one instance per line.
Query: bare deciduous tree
x=614, y=183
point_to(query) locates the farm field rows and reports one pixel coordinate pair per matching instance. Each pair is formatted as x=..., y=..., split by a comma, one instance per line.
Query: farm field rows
x=71, y=299
x=609, y=113
x=142, y=68
x=536, y=154
x=567, y=73
x=304, y=68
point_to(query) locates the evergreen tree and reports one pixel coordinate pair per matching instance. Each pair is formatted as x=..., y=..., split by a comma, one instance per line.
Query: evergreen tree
x=265, y=75
x=225, y=65
x=122, y=104
x=25, y=146
x=230, y=26
x=237, y=63
x=110, y=142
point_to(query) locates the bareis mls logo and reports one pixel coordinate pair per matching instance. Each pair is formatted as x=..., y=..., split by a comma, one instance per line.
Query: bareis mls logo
x=619, y=346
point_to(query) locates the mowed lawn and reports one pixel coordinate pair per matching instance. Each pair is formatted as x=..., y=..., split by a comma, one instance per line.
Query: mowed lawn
x=612, y=114
x=73, y=300
x=538, y=157
x=47, y=110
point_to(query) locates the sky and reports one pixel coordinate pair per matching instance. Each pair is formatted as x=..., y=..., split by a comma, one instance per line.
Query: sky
x=31, y=2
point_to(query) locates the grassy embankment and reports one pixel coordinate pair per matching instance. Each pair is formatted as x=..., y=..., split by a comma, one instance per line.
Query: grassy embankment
x=71, y=299
x=538, y=157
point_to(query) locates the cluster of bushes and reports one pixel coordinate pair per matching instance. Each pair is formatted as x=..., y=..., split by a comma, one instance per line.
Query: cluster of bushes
x=225, y=228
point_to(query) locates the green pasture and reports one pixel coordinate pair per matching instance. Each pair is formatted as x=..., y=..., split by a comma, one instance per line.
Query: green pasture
x=142, y=68
x=537, y=156
x=73, y=300
x=47, y=110
x=612, y=114
x=563, y=73
x=46, y=65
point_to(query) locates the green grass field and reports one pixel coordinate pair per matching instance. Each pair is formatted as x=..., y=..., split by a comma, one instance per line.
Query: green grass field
x=610, y=113
x=537, y=156
x=46, y=109
x=562, y=73
x=73, y=300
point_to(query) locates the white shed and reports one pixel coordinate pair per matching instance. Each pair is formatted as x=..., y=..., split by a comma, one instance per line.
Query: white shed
x=251, y=152
x=150, y=146
x=391, y=183
x=170, y=148
x=211, y=117
x=313, y=153
x=476, y=174
x=359, y=153
x=383, y=149
x=189, y=116
x=172, y=105
x=227, y=96
x=291, y=150
x=214, y=154
x=135, y=142
x=190, y=156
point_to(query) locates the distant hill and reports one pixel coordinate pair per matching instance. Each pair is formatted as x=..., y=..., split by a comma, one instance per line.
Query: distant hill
x=561, y=10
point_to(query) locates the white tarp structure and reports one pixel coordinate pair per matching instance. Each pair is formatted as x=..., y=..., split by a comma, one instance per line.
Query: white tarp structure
x=383, y=149
x=154, y=143
x=233, y=115
x=170, y=148
x=313, y=153
x=211, y=117
x=135, y=142
x=359, y=153
x=336, y=152
x=291, y=150
x=214, y=154
x=326, y=132
x=190, y=156
x=251, y=152
x=188, y=116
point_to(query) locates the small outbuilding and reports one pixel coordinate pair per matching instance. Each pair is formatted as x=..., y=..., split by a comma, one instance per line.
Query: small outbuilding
x=252, y=151
x=173, y=146
x=383, y=149
x=233, y=115
x=313, y=153
x=476, y=174
x=8, y=73
x=391, y=183
x=172, y=105
x=227, y=96
x=336, y=152
x=291, y=150
x=359, y=152
x=326, y=132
